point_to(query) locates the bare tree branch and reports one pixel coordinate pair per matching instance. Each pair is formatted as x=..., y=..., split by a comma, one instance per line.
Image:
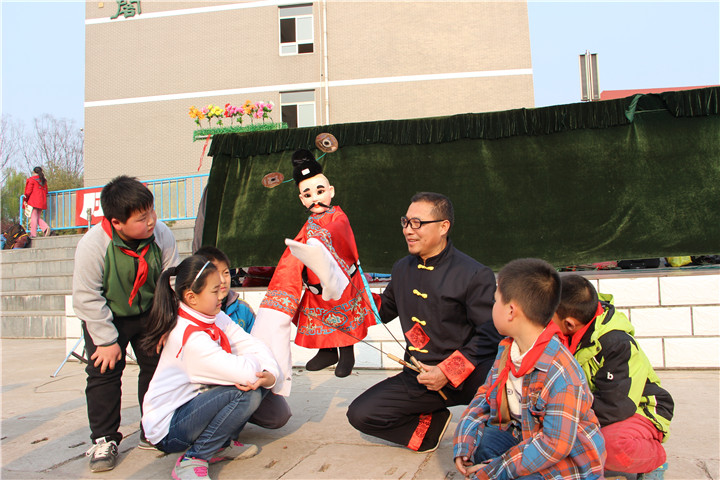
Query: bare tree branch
x=11, y=139
x=57, y=146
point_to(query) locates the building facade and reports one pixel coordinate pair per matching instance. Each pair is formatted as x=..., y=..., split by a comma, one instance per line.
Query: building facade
x=322, y=62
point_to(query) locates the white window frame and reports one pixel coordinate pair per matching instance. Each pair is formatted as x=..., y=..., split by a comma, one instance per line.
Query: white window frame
x=291, y=98
x=296, y=12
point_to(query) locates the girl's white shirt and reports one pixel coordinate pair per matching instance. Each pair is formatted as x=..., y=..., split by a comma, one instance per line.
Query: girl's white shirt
x=202, y=362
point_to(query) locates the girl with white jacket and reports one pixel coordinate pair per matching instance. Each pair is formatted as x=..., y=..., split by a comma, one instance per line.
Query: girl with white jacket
x=211, y=377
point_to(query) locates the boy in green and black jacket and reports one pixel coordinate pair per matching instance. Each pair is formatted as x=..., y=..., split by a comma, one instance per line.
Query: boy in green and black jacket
x=633, y=409
x=117, y=264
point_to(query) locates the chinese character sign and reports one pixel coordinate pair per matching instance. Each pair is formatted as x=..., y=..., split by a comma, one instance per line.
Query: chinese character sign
x=127, y=8
x=88, y=210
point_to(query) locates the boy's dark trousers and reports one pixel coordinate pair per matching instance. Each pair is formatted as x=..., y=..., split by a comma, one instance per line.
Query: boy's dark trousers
x=103, y=391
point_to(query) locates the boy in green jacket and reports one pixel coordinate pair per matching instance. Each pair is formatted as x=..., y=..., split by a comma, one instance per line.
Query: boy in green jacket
x=633, y=410
x=117, y=265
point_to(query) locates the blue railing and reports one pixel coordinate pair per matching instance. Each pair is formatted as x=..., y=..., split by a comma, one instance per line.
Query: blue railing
x=176, y=198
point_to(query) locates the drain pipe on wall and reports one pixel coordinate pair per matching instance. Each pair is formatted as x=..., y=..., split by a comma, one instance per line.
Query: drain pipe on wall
x=325, y=64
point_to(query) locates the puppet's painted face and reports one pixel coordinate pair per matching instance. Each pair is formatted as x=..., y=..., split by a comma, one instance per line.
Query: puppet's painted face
x=316, y=193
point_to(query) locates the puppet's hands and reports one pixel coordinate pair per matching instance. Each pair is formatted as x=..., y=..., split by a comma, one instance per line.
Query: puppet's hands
x=432, y=377
x=317, y=258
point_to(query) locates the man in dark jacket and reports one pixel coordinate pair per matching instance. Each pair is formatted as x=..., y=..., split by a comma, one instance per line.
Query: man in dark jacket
x=444, y=300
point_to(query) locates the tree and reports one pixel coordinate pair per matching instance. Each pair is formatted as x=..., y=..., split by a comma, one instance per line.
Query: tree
x=13, y=187
x=11, y=133
x=57, y=146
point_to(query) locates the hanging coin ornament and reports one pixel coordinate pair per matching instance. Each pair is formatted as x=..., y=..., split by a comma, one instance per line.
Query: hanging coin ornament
x=326, y=142
x=273, y=179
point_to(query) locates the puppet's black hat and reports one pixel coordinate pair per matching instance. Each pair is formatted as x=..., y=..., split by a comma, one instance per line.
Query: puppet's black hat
x=304, y=165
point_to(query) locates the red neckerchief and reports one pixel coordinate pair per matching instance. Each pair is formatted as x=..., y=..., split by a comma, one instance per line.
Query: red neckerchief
x=197, y=326
x=528, y=362
x=142, y=272
x=573, y=342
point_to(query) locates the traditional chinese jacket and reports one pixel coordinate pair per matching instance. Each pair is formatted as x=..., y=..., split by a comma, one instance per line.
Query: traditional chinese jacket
x=321, y=323
x=445, y=309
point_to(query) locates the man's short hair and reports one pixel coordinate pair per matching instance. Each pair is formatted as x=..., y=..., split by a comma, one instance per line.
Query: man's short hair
x=213, y=254
x=578, y=299
x=123, y=196
x=534, y=285
x=442, y=206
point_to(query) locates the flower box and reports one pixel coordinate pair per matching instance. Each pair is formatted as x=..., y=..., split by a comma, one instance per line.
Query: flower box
x=202, y=134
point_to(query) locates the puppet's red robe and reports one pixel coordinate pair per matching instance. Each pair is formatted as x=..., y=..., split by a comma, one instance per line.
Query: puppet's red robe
x=319, y=321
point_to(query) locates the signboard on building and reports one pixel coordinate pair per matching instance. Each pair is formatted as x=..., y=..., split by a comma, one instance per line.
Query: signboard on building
x=127, y=8
x=88, y=210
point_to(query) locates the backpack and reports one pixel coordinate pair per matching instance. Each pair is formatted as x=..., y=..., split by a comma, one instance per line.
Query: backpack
x=16, y=237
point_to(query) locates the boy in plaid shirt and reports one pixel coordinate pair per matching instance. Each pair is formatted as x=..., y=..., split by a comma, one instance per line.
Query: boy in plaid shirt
x=532, y=418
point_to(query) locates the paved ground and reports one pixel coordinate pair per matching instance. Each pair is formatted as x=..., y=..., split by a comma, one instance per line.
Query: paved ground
x=44, y=431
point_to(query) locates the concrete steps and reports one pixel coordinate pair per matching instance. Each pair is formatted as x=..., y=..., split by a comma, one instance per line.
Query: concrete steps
x=36, y=281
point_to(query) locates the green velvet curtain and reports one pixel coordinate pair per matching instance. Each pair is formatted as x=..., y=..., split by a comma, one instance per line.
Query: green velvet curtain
x=630, y=178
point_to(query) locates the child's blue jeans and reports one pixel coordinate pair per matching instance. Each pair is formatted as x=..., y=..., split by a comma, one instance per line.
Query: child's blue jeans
x=210, y=421
x=495, y=442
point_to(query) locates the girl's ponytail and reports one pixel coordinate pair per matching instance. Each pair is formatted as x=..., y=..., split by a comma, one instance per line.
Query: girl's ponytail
x=163, y=314
x=41, y=175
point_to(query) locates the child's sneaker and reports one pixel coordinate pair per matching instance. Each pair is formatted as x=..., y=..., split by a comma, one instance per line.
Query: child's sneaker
x=103, y=455
x=657, y=474
x=190, y=469
x=236, y=451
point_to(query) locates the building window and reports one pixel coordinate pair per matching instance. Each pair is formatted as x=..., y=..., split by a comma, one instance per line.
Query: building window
x=298, y=108
x=296, y=29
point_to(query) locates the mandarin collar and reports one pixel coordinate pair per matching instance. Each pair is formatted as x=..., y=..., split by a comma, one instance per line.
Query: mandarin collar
x=432, y=261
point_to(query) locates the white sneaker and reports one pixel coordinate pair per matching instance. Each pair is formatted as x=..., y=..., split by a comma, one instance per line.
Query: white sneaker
x=236, y=451
x=103, y=455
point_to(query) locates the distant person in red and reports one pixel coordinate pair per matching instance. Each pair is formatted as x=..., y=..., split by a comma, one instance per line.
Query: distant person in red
x=36, y=192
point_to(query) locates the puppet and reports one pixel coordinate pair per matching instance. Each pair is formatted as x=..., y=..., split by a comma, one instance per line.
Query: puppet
x=331, y=315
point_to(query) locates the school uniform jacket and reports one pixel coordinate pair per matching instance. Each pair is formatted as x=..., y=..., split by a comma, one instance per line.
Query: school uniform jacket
x=445, y=309
x=103, y=277
x=185, y=370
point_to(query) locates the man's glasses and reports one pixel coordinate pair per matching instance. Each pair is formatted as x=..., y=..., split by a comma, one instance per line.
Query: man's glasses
x=415, y=223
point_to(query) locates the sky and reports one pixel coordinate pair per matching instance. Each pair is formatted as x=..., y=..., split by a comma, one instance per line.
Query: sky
x=639, y=45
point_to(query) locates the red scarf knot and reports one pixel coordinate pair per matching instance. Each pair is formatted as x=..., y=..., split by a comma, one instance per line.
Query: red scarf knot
x=142, y=272
x=527, y=364
x=196, y=325
x=573, y=342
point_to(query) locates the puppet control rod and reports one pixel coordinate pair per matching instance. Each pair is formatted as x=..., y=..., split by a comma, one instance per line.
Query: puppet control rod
x=415, y=366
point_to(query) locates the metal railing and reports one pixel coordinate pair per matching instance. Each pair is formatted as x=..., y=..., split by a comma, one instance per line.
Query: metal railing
x=176, y=198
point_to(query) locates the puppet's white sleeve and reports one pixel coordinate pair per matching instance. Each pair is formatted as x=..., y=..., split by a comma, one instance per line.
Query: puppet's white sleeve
x=317, y=258
x=274, y=328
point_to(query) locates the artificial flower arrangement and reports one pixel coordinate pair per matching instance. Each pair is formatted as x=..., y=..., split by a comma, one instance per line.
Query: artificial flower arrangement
x=252, y=110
